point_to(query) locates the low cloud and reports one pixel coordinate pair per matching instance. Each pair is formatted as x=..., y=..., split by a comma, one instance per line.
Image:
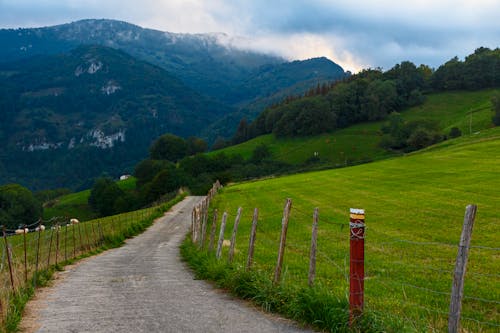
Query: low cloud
x=354, y=33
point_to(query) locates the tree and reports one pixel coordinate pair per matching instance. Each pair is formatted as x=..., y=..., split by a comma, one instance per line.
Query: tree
x=241, y=134
x=165, y=181
x=220, y=143
x=195, y=145
x=168, y=147
x=103, y=196
x=146, y=170
x=18, y=206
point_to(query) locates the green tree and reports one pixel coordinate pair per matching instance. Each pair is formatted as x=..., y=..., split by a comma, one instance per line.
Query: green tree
x=165, y=181
x=103, y=196
x=168, y=147
x=147, y=169
x=195, y=145
x=18, y=206
x=241, y=134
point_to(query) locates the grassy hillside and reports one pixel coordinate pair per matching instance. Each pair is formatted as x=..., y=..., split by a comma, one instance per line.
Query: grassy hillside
x=414, y=213
x=76, y=204
x=361, y=142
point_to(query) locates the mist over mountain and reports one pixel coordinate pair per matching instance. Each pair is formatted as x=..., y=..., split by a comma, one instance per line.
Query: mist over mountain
x=205, y=62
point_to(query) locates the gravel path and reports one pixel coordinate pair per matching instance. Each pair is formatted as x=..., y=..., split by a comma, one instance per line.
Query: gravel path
x=144, y=287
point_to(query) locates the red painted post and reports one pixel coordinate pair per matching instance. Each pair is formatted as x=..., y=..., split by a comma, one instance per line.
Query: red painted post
x=357, y=263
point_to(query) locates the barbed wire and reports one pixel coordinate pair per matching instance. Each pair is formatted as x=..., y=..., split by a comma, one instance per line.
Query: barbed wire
x=485, y=300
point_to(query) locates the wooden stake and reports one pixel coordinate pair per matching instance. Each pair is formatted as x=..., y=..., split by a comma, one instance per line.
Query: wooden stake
x=457, y=289
x=74, y=241
x=251, y=242
x=50, y=246
x=221, y=236
x=212, y=232
x=204, y=223
x=57, y=244
x=37, y=251
x=66, y=243
x=80, y=234
x=7, y=250
x=284, y=228
x=233, y=237
x=312, y=258
x=25, y=256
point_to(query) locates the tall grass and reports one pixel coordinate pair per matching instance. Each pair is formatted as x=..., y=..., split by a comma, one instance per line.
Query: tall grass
x=75, y=242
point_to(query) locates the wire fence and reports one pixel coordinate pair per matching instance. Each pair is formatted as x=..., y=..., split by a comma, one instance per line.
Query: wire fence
x=406, y=281
x=29, y=252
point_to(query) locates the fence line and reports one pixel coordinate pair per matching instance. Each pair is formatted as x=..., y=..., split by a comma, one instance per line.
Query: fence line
x=25, y=255
x=268, y=237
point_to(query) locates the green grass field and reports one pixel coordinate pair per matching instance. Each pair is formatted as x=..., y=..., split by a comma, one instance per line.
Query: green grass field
x=414, y=213
x=76, y=204
x=360, y=143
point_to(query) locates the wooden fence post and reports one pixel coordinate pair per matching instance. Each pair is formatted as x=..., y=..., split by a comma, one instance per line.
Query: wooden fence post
x=212, y=232
x=80, y=234
x=100, y=232
x=251, y=242
x=221, y=236
x=233, y=237
x=57, y=243
x=50, y=245
x=284, y=228
x=66, y=242
x=37, y=251
x=204, y=221
x=457, y=289
x=86, y=232
x=312, y=258
x=7, y=252
x=195, y=223
x=25, y=255
x=94, y=236
x=356, y=263
x=74, y=241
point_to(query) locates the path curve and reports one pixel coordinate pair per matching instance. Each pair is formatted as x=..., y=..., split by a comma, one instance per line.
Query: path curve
x=144, y=287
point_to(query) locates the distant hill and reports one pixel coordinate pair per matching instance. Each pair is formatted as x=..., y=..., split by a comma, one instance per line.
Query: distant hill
x=468, y=111
x=207, y=63
x=67, y=118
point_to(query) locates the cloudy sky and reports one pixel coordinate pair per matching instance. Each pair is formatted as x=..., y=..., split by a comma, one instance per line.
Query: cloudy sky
x=354, y=33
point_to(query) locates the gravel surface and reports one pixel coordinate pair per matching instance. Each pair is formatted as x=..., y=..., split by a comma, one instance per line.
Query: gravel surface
x=144, y=287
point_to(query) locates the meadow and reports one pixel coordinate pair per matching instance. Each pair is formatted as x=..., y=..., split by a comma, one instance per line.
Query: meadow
x=76, y=204
x=414, y=206
x=469, y=111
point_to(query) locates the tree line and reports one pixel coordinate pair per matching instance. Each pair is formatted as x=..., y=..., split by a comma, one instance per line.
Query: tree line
x=370, y=95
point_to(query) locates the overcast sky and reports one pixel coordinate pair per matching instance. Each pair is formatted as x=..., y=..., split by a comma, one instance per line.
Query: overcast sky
x=354, y=33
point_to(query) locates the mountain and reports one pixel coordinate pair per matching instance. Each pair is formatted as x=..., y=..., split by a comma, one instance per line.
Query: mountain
x=208, y=63
x=88, y=97
x=62, y=112
x=288, y=79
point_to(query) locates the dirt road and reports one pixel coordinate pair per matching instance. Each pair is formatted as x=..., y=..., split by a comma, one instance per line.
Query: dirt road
x=144, y=287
